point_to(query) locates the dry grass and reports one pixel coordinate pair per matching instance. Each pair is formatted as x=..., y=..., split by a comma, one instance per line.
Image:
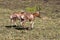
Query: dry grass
x=44, y=29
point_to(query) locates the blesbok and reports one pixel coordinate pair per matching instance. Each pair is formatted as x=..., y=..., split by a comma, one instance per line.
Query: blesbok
x=30, y=17
x=23, y=17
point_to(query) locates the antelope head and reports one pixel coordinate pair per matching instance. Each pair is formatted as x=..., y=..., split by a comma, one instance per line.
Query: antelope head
x=37, y=14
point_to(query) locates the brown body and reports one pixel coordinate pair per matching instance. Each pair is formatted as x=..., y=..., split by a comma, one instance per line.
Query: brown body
x=23, y=17
x=30, y=17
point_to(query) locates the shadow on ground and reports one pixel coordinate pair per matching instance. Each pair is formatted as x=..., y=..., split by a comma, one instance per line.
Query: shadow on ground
x=17, y=27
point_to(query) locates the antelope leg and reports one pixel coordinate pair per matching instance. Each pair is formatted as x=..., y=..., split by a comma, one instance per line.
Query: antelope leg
x=31, y=24
x=13, y=22
x=22, y=23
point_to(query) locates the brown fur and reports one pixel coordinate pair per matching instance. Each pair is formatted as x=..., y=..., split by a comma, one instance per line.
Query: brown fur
x=23, y=16
x=30, y=17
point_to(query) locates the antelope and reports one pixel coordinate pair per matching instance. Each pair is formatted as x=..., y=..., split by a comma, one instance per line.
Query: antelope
x=23, y=17
x=30, y=17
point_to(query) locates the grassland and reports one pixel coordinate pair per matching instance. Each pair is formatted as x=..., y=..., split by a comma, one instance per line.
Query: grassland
x=45, y=28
